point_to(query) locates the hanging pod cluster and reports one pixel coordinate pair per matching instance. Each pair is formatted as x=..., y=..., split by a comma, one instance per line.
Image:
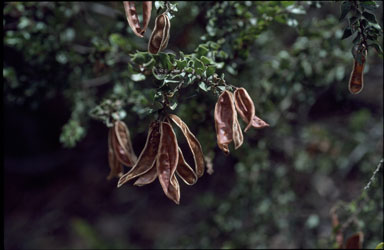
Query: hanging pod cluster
x=120, y=150
x=227, y=125
x=161, y=157
x=160, y=34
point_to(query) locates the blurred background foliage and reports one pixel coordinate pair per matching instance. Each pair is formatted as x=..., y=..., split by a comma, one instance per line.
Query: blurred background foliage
x=61, y=60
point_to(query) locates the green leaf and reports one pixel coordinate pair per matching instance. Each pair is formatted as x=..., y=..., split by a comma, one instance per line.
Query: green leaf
x=165, y=61
x=380, y=246
x=188, y=69
x=210, y=70
x=206, y=60
x=141, y=57
x=370, y=17
x=181, y=64
x=347, y=33
x=345, y=7
x=201, y=51
x=198, y=64
x=203, y=86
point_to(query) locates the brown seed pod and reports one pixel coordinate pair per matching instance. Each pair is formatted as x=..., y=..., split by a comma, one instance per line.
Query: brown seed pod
x=238, y=138
x=355, y=241
x=133, y=19
x=184, y=171
x=173, y=192
x=160, y=34
x=356, y=81
x=193, y=143
x=147, y=156
x=224, y=120
x=114, y=164
x=167, y=156
x=246, y=109
x=148, y=177
x=123, y=145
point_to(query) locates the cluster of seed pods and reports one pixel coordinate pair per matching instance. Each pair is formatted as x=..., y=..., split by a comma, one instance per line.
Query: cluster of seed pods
x=226, y=123
x=162, y=158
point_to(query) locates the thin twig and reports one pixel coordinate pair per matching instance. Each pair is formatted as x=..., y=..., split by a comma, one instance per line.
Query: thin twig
x=374, y=174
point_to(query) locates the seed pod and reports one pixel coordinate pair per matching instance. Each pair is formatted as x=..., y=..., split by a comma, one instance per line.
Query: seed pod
x=147, y=9
x=147, y=156
x=355, y=241
x=173, y=192
x=193, y=143
x=224, y=120
x=356, y=82
x=184, y=171
x=160, y=34
x=114, y=164
x=238, y=138
x=123, y=144
x=246, y=109
x=133, y=19
x=167, y=156
x=148, y=177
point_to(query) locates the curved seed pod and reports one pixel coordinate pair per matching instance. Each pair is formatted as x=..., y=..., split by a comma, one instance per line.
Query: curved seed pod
x=356, y=82
x=167, y=156
x=114, y=164
x=126, y=155
x=246, y=109
x=238, y=138
x=224, y=120
x=173, y=192
x=184, y=171
x=147, y=9
x=133, y=19
x=244, y=106
x=160, y=34
x=147, y=156
x=148, y=177
x=193, y=143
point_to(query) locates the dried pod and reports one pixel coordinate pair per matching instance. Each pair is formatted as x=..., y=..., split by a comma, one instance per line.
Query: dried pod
x=114, y=164
x=133, y=19
x=224, y=120
x=238, y=138
x=148, y=177
x=193, y=143
x=246, y=109
x=160, y=34
x=184, y=171
x=356, y=82
x=173, y=192
x=123, y=145
x=355, y=241
x=167, y=156
x=147, y=156
x=147, y=9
